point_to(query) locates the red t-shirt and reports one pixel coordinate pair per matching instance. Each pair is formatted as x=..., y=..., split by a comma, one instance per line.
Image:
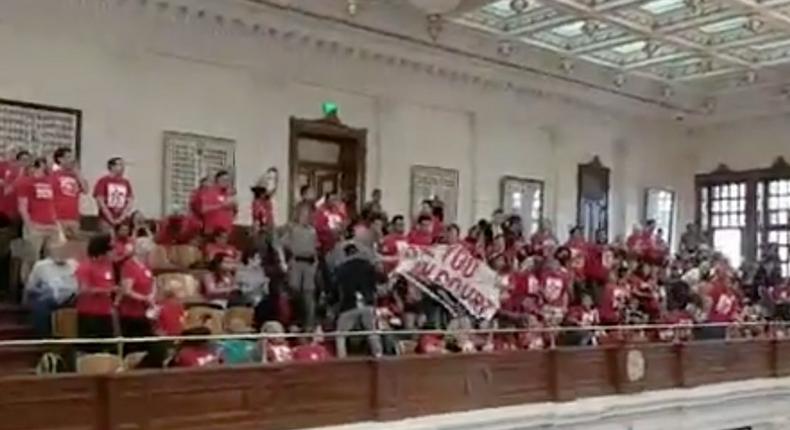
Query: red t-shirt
x=195, y=200
x=556, y=288
x=196, y=356
x=115, y=191
x=219, y=218
x=578, y=248
x=143, y=284
x=615, y=297
x=11, y=172
x=95, y=274
x=263, y=212
x=420, y=237
x=177, y=230
x=67, y=188
x=170, y=321
x=584, y=317
x=725, y=306
x=311, y=352
x=122, y=248
x=598, y=263
x=328, y=219
x=40, y=199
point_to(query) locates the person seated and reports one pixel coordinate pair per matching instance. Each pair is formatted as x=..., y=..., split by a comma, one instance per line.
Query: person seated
x=277, y=348
x=170, y=314
x=51, y=284
x=196, y=353
x=431, y=343
x=140, y=226
x=251, y=280
x=218, y=283
x=219, y=244
x=239, y=351
x=310, y=350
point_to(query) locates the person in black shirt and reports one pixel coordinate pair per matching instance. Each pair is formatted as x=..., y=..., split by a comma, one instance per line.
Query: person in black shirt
x=356, y=279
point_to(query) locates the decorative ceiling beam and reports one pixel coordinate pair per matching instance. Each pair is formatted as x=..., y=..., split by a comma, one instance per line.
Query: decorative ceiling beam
x=712, y=73
x=770, y=16
x=467, y=6
x=578, y=8
x=609, y=6
x=659, y=60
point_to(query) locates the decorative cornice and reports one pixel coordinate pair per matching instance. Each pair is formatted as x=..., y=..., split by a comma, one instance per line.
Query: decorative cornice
x=237, y=23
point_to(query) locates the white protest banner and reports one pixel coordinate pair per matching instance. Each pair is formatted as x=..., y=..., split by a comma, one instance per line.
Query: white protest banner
x=453, y=268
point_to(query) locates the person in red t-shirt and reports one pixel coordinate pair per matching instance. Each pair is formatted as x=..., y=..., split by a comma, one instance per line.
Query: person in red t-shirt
x=95, y=290
x=329, y=221
x=219, y=245
x=452, y=235
x=177, y=229
x=724, y=303
x=196, y=353
x=137, y=296
x=388, y=246
x=555, y=284
x=579, y=248
x=196, y=197
x=616, y=295
x=422, y=232
x=68, y=185
x=544, y=242
x=114, y=196
x=599, y=261
x=310, y=351
x=10, y=172
x=218, y=204
x=122, y=243
x=219, y=283
x=37, y=209
x=171, y=315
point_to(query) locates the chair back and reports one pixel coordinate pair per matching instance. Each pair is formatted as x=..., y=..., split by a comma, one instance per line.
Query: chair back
x=205, y=316
x=183, y=285
x=99, y=364
x=241, y=313
x=64, y=323
x=185, y=256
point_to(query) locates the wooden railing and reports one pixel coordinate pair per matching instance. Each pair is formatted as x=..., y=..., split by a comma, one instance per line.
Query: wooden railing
x=295, y=396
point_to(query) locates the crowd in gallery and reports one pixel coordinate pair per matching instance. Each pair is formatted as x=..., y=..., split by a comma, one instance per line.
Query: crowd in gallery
x=413, y=283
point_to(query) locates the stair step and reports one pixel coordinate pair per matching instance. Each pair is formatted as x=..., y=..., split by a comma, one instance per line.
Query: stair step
x=20, y=360
x=11, y=331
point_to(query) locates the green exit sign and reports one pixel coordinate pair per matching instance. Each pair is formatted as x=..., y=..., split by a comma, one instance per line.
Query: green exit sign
x=329, y=108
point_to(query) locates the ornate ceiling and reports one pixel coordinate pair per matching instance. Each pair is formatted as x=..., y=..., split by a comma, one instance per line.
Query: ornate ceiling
x=712, y=44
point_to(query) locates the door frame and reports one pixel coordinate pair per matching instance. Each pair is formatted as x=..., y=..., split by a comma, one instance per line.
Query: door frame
x=352, y=140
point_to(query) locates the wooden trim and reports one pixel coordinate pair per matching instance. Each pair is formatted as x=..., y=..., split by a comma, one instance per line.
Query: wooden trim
x=336, y=392
x=326, y=129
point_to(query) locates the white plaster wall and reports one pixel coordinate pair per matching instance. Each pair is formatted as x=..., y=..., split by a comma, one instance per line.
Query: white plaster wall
x=744, y=144
x=135, y=73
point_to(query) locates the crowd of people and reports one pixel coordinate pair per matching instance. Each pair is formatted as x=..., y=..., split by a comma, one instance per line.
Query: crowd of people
x=330, y=269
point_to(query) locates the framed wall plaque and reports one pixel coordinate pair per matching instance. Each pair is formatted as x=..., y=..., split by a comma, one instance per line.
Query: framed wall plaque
x=435, y=183
x=522, y=197
x=189, y=157
x=39, y=128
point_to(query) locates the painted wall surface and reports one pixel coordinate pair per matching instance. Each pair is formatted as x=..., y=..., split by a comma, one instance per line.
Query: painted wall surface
x=136, y=73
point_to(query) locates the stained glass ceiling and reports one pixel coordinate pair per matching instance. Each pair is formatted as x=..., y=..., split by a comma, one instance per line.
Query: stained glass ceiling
x=665, y=40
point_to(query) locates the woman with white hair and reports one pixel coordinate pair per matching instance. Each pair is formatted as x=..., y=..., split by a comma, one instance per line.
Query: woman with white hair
x=136, y=303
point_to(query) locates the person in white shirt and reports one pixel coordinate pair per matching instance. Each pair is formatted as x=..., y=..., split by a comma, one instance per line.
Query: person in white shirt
x=51, y=284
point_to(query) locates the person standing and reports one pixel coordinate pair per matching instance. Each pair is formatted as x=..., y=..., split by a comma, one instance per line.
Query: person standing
x=10, y=172
x=94, y=294
x=114, y=196
x=356, y=279
x=137, y=297
x=37, y=210
x=68, y=184
x=218, y=204
x=301, y=239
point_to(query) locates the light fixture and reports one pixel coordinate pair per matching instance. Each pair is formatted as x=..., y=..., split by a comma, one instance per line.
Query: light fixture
x=709, y=105
x=566, y=65
x=750, y=77
x=352, y=7
x=667, y=91
x=706, y=66
x=589, y=27
x=754, y=25
x=505, y=48
x=650, y=48
x=436, y=7
x=434, y=25
x=694, y=6
x=619, y=80
x=519, y=6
